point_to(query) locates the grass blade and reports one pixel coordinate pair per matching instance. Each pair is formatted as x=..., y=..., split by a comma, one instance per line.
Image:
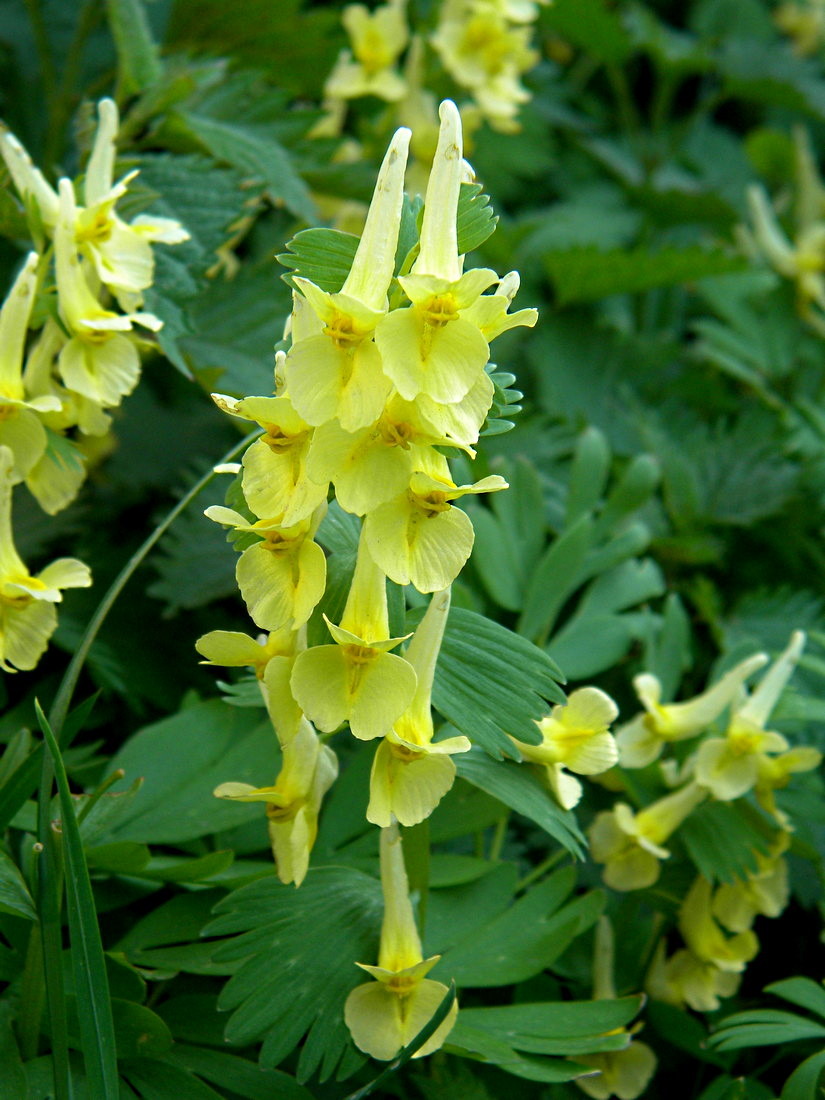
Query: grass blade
x=94, y=1008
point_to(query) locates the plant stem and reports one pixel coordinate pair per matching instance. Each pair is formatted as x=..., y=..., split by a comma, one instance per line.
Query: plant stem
x=541, y=869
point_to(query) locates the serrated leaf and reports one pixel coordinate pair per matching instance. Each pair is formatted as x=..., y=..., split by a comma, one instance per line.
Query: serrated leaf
x=297, y=966
x=587, y=274
x=475, y=219
x=324, y=256
x=253, y=150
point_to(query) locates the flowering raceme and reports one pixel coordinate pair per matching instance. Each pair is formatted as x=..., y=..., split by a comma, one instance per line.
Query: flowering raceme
x=55, y=388
x=382, y=380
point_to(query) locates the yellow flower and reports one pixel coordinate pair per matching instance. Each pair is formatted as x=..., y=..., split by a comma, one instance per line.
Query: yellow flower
x=275, y=477
x=484, y=53
x=623, y=1073
x=576, y=737
x=338, y=372
x=121, y=254
x=641, y=741
x=411, y=773
x=292, y=805
x=706, y=939
x=98, y=360
x=377, y=38
x=729, y=766
x=386, y=1015
x=27, y=612
x=803, y=23
x=775, y=772
x=357, y=680
x=419, y=538
x=765, y=891
x=21, y=427
x=684, y=978
x=428, y=347
x=283, y=576
x=630, y=845
x=272, y=657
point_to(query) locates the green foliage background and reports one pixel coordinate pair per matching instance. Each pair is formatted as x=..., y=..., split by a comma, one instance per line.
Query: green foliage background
x=666, y=512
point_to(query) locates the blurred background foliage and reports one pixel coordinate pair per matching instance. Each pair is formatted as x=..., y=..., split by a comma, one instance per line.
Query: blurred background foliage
x=666, y=514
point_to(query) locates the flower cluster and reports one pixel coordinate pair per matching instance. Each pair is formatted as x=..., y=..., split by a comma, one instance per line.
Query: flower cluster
x=381, y=378
x=65, y=358
x=483, y=45
x=743, y=757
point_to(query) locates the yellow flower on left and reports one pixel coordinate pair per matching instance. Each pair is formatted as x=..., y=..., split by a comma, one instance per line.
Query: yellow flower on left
x=27, y=613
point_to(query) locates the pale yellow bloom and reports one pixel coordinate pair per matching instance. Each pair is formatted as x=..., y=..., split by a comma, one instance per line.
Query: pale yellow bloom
x=410, y=772
x=27, y=602
x=385, y=1015
x=357, y=680
x=729, y=766
x=21, y=427
x=419, y=538
x=99, y=360
x=338, y=371
x=307, y=772
x=576, y=738
x=377, y=39
x=630, y=845
x=283, y=576
x=641, y=741
x=764, y=892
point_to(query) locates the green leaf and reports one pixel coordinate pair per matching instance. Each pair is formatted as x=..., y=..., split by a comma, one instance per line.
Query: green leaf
x=525, y=939
x=455, y=913
x=88, y=964
x=806, y=1080
x=490, y=682
x=723, y=839
x=182, y=759
x=139, y=64
x=764, y=1027
x=556, y=577
x=237, y=1075
x=593, y=26
x=536, y=1027
x=157, y=1079
x=255, y=152
x=517, y=786
x=12, y=1071
x=800, y=991
x=296, y=965
x=588, y=474
x=324, y=256
x=587, y=274
x=14, y=893
x=480, y=1045
x=476, y=220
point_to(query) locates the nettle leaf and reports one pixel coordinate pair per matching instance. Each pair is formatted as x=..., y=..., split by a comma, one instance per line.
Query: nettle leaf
x=724, y=838
x=490, y=682
x=324, y=256
x=476, y=220
x=253, y=150
x=587, y=274
x=296, y=965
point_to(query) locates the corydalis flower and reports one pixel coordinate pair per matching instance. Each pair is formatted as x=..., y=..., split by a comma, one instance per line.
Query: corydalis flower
x=292, y=804
x=27, y=602
x=641, y=741
x=576, y=738
x=411, y=773
x=385, y=1015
